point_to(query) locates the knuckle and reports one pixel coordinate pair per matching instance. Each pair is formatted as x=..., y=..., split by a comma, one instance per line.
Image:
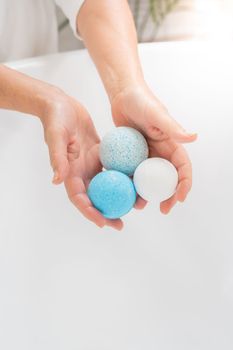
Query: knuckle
x=48, y=133
x=52, y=132
x=57, y=158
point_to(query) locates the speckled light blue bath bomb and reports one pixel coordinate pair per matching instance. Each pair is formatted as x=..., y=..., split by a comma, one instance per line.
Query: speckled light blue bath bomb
x=123, y=149
x=112, y=193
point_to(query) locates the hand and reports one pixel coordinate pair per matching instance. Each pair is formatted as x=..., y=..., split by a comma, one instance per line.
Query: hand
x=137, y=107
x=73, y=147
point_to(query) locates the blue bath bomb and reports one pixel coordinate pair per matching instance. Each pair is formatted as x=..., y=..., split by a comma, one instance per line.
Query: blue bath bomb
x=123, y=149
x=112, y=193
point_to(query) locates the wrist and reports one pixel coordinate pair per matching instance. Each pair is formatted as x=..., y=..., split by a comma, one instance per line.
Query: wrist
x=25, y=94
x=119, y=86
x=48, y=101
x=122, y=88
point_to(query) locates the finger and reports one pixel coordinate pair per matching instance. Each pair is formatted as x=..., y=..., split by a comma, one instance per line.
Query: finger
x=167, y=205
x=183, y=165
x=77, y=193
x=159, y=120
x=83, y=203
x=117, y=224
x=183, y=189
x=57, y=145
x=73, y=150
x=140, y=203
x=178, y=156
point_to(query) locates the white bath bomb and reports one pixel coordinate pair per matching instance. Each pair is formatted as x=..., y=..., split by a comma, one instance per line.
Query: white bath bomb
x=155, y=179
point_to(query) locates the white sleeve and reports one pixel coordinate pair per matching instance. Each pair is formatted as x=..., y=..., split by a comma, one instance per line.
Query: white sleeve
x=71, y=9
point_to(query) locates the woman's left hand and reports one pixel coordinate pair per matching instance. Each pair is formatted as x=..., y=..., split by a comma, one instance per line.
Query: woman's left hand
x=137, y=107
x=74, y=153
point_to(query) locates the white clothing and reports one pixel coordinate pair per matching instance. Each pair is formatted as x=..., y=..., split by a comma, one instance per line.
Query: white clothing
x=29, y=27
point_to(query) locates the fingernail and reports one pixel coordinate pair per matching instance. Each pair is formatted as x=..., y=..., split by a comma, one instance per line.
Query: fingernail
x=182, y=199
x=190, y=134
x=101, y=225
x=55, y=177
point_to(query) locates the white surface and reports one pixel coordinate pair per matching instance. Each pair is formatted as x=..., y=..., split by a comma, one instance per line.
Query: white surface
x=165, y=282
x=155, y=179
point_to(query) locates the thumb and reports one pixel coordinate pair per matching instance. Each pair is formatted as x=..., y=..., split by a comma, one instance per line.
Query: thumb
x=162, y=120
x=57, y=144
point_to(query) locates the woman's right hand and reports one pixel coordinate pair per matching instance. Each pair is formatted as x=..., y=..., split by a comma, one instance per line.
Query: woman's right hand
x=73, y=148
x=136, y=106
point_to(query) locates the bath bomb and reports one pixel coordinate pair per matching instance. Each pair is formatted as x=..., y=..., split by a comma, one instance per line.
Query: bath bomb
x=112, y=193
x=123, y=149
x=155, y=179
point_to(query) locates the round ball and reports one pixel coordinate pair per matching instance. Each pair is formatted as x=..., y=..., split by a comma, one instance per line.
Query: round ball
x=112, y=193
x=123, y=149
x=155, y=179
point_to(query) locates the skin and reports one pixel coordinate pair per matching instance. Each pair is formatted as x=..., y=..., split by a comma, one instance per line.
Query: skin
x=112, y=44
x=68, y=129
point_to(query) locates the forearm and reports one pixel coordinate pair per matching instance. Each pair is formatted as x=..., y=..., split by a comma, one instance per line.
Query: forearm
x=108, y=31
x=24, y=94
